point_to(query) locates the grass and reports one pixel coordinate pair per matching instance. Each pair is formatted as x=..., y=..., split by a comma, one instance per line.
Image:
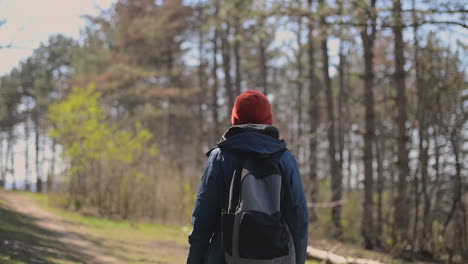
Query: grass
x=130, y=242
x=22, y=242
x=127, y=241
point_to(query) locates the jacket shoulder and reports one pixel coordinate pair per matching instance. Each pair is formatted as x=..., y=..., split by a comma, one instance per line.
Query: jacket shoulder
x=288, y=158
x=213, y=151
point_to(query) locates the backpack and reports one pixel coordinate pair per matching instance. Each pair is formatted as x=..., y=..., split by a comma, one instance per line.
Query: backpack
x=253, y=229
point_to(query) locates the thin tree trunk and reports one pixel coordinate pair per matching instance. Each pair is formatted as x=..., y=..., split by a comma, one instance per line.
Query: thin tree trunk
x=336, y=181
x=237, y=57
x=226, y=54
x=341, y=108
x=11, y=157
x=457, y=200
x=368, y=38
x=2, y=167
x=37, y=149
x=27, y=175
x=423, y=140
x=350, y=162
x=437, y=190
x=51, y=173
x=202, y=85
x=380, y=154
x=401, y=213
x=263, y=57
x=313, y=113
x=214, y=91
x=7, y=157
x=349, y=134
x=416, y=193
x=422, y=166
x=299, y=82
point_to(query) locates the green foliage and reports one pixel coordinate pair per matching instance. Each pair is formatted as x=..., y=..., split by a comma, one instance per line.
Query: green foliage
x=81, y=127
x=95, y=146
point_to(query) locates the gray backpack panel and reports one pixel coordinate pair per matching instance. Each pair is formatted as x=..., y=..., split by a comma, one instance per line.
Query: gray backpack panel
x=254, y=231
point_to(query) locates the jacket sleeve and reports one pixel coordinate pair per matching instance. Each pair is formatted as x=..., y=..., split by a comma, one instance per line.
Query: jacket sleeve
x=206, y=210
x=295, y=206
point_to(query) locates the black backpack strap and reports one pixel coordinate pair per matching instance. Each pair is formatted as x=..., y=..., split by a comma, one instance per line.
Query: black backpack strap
x=233, y=190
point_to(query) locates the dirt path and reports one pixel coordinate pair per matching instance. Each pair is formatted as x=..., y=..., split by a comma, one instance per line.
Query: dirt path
x=58, y=227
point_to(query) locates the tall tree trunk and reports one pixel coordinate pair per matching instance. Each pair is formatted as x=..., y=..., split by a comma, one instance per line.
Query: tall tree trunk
x=349, y=134
x=226, y=54
x=37, y=143
x=214, y=90
x=11, y=157
x=51, y=173
x=422, y=166
x=27, y=175
x=368, y=38
x=2, y=167
x=299, y=82
x=334, y=166
x=380, y=154
x=401, y=213
x=263, y=57
x=458, y=186
x=237, y=57
x=350, y=162
x=202, y=84
x=423, y=140
x=341, y=108
x=314, y=113
x=436, y=189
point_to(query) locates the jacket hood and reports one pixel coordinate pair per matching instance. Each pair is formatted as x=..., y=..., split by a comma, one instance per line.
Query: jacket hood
x=256, y=138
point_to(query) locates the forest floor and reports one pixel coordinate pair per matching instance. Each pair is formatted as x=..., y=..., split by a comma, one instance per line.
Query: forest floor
x=33, y=231
x=34, y=235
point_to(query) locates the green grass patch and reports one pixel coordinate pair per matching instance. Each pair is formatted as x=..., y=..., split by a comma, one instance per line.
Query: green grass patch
x=126, y=229
x=128, y=241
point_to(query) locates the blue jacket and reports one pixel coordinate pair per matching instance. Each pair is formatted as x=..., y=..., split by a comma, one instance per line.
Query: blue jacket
x=205, y=243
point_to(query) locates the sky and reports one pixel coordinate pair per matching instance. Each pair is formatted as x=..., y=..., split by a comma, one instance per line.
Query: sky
x=30, y=22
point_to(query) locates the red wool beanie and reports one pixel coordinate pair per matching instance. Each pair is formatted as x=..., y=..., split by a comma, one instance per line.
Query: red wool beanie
x=251, y=107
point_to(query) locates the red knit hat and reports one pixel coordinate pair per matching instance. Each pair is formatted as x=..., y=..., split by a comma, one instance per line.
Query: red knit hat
x=251, y=107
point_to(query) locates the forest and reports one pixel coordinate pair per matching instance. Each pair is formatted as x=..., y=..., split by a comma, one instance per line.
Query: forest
x=370, y=95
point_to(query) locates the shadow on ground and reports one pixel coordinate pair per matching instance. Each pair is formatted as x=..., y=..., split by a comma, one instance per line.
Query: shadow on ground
x=21, y=241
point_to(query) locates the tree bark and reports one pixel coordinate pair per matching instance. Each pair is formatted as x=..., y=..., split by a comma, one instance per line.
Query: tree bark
x=37, y=150
x=458, y=186
x=368, y=38
x=11, y=157
x=226, y=54
x=380, y=154
x=336, y=181
x=299, y=83
x=2, y=167
x=237, y=57
x=263, y=58
x=51, y=173
x=202, y=86
x=27, y=179
x=401, y=213
x=214, y=90
x=341, y=108
x=314, y=114
x=423, y=141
